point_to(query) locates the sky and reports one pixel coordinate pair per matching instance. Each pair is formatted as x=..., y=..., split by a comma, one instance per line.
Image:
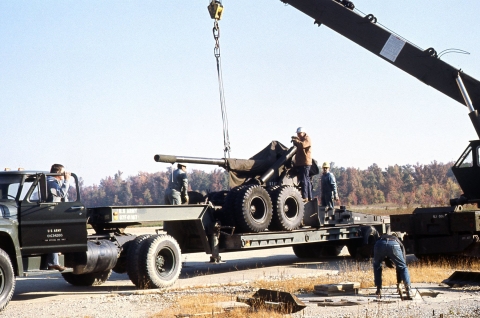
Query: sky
x=103, y=86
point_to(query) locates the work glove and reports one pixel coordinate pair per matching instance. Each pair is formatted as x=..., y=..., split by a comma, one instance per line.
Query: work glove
x=185, y=199
x=336, y=198
x=389, y=263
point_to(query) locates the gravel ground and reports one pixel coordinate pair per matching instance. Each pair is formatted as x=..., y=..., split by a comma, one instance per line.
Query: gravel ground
x=449, y=302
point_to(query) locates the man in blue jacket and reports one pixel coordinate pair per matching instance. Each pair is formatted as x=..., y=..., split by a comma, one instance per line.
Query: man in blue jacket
x=329, y=187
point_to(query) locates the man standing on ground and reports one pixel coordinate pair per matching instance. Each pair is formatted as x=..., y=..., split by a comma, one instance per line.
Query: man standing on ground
x=329, y=187
x=303, y=160
x=390, y=248
x=57, y=191
x=176, y=192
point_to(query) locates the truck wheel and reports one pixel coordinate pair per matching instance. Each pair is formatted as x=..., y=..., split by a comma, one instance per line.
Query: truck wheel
x=7, y=279
x=160, y=262
x=121, y=265
x=332, y=250
x=133, y=256
x=89, y=279
x=253, y=209
x=288, y=209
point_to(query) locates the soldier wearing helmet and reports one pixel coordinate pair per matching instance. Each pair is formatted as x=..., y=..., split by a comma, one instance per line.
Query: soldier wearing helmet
x=329, y=187
x=303, y=160
x=176, y=192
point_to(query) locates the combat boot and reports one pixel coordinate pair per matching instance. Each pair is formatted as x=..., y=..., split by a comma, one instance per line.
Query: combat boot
x=379, y=292
x=408, y=292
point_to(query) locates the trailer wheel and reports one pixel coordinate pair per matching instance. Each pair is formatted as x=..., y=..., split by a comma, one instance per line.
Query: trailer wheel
x=311, y=250
x=332, y=250
x=89, y=279
x=133, y=256
x=7, y=279
x=288, y=209
x=160, y=262
x=253, y=209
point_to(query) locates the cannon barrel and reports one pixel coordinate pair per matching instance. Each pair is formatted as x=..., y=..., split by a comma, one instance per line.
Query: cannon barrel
x=196, y=160
x=280, y=161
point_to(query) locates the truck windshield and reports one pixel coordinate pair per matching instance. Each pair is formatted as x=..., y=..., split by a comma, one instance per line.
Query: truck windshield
x=9, y=185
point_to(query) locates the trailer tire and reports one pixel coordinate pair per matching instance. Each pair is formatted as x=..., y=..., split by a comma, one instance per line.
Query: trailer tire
x=133, y=257
x=288, y=209
x=89, y=279
x=332, y=250
x=7, y=279
x=253, y=209
x=160, y=262
x=311, y=250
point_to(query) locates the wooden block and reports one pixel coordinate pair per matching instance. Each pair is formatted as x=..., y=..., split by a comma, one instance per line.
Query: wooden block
x=336, y=293
x=337, y=287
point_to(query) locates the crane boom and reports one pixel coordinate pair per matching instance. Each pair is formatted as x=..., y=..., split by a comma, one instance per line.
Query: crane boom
x=363, y=30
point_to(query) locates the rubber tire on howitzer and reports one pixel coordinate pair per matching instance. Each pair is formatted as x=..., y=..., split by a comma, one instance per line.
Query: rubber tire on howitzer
x=7, y=279
x=288, y=209
x=160, y=262
x=133, y=255
x=227, y=213
x=253, y=209
x=89, y=279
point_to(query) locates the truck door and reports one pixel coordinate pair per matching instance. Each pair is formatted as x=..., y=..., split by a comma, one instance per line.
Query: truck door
x=49, y=227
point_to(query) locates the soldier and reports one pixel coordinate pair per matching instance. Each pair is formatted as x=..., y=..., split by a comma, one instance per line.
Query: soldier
x=57, y=187
x=176, y=192
x=303, y=160
x=329, y=187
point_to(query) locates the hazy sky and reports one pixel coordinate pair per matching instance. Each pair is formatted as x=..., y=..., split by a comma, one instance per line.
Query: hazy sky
x=102, y=86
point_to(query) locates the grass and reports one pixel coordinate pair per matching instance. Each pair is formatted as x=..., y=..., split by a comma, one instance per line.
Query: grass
x=202, y=305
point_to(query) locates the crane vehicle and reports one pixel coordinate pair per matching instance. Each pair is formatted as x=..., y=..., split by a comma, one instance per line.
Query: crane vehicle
x=429, y=231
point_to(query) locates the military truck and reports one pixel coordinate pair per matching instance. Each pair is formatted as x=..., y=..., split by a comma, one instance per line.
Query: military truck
x=31, y=228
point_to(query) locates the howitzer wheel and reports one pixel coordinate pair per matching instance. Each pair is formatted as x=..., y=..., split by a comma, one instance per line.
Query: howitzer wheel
x=288, y=209
x=226, y=214
x=159, y=262
x=253, y=209
x=133, y=253
x=7, y=279
x=89, y=279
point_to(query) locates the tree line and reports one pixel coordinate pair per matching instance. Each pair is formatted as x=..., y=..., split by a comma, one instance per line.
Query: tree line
x=425, y=185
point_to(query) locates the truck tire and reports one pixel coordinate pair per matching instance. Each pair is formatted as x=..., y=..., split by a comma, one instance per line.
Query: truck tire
x=332, y=250
x=133, y=256
x=253, y=209
x=159, y=262
x=89, y=279
x=7, y=279
x=288, y=209
x=121, y=265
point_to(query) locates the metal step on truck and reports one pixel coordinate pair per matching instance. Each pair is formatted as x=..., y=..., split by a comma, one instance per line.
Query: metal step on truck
x=31, y=228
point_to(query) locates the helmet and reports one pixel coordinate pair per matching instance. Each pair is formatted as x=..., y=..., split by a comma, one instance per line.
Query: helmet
x=326, y=165
x=300, y=130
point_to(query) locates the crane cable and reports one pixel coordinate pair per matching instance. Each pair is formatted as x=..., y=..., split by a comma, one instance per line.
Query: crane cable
x=216, y=9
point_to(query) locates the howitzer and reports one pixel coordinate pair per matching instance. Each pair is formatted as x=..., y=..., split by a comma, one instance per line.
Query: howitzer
x=271, y=165
x=263, y=189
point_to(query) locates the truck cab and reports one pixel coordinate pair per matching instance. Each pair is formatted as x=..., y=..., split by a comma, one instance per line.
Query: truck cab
x=31, y=227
